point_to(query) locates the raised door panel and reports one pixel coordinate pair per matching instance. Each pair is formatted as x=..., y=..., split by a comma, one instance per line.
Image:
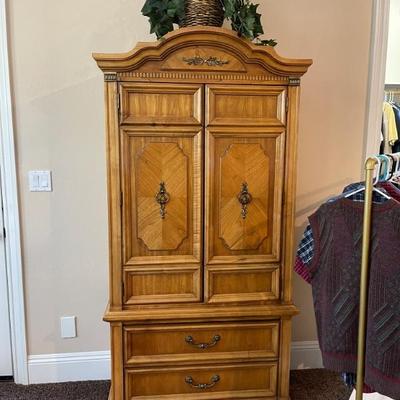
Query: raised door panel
x=150, y=103
x=161, y=195
x=162, y=284
x=235, y=284
x=243, y=195
x=246, y=105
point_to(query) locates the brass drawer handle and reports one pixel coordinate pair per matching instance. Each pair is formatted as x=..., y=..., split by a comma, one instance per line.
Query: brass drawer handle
x=162, y=198
x=245, y=199
x=202, y=386
x=215, y=340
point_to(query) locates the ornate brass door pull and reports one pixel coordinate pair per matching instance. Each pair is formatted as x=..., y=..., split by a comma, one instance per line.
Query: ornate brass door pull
x=162, y=198
x=215, y=340
x=214, y=380
x=245, y=199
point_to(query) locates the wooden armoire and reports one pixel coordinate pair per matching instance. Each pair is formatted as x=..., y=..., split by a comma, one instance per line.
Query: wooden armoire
x=201, y=142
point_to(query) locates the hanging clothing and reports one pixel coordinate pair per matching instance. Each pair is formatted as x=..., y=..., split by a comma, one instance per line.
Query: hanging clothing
x=383, y=318
x=335, y=275
x=305, y=254
x=396, y=110
x=305, y=250
x=390, y=133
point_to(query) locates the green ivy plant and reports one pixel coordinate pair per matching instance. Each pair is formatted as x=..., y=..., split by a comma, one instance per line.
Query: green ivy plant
x=242, y=14
x=163, y=14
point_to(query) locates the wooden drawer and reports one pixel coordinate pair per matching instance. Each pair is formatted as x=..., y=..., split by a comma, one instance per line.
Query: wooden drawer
x=240, y=381
x=200, y=343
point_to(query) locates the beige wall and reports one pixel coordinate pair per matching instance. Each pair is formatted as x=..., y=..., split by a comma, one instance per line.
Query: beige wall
x=393, y=54
x=336, y=35
x=58, y=97
x=58, y=101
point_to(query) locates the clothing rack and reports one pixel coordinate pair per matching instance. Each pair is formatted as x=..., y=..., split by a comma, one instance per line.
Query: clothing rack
x=392, y=93
x=370, y=165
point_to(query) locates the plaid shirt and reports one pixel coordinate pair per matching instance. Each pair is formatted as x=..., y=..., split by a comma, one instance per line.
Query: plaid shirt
x=305, y=251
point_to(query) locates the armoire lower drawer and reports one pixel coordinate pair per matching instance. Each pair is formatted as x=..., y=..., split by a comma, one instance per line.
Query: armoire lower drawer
x=240, y=381
x=200, y=343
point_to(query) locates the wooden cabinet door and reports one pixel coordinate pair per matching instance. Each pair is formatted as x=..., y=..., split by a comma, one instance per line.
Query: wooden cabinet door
x=161, y=185
x=244, y=183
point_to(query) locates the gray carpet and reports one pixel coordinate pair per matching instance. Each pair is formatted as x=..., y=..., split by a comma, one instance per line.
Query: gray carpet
x=317, y=384
x=91, y=390
x=311, y=384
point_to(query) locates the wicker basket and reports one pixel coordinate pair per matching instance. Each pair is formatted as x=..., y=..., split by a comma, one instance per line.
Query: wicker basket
x=203, y=12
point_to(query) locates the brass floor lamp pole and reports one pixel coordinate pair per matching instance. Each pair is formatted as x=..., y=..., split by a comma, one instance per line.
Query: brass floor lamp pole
x=370, y=165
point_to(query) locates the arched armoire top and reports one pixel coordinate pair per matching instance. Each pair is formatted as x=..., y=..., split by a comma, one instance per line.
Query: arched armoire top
x=202, y=50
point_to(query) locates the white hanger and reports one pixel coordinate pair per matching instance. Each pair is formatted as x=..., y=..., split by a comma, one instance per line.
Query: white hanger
x=396, y=172
x=352, y=193
x=389, y=164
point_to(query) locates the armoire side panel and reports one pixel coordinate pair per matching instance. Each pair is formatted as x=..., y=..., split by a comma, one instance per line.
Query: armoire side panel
x=289, y=200
x=113, y=195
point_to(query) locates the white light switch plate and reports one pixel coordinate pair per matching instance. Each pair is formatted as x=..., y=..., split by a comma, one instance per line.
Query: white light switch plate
x=68, y=327
x=40, y=181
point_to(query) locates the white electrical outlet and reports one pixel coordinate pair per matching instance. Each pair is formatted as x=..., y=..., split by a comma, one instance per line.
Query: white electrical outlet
x=68, y=327
x=40, y=181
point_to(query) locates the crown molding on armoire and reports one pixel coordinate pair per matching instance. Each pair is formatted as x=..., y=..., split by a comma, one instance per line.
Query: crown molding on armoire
x=195, y=42
x=201, y=131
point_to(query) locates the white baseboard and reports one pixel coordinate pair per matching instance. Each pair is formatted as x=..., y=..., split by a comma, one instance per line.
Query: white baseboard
x=306, y=355
x=69, y=367
x=95, y=365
